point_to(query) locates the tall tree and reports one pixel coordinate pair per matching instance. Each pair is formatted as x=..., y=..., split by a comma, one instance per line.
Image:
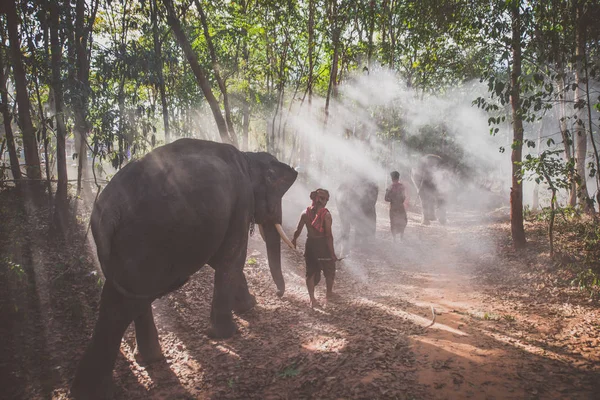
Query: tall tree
x=370, y=33
x=199, y=73
x=516, y=191
x=557, y=13
x=335, y=23
x=7, y=118
x=159, y=68
x=246, y=77
x=80, y=42
x=57, y=91
x=217, y=73
x=30, y=145
x=580, y=106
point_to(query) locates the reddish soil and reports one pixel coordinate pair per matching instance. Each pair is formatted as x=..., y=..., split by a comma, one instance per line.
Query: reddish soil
x=504, y=328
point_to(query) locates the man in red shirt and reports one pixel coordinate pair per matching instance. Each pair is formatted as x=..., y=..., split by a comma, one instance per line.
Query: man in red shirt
x=318, y=253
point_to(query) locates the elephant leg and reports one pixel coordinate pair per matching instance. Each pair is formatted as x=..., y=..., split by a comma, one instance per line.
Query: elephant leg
x=243, y=300
x=428, y=203
x=425, y=208
x=345, y=236
x=221, y=319
x=431, y=209
x=441, y=205
x=432, y=206
x=372, y=221
x=93, y=379
x=147, y=347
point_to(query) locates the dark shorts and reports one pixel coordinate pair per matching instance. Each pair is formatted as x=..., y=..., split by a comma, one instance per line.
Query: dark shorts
x=317, y=248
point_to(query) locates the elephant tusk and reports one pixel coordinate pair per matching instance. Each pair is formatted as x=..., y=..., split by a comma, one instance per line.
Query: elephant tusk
x=284, y=236
x=262, y=232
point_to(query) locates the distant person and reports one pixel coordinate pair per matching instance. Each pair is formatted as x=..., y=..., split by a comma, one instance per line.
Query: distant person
x=318, y=253
x=395, y=194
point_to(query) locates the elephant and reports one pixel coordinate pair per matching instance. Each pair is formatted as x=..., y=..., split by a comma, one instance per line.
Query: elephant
x=355, y=200
x=162, y=218
x=425, y=178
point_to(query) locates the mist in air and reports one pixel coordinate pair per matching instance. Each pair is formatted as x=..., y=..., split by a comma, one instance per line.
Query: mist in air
x=349, y=144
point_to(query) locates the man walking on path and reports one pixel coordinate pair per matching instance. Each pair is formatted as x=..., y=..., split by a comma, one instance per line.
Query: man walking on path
x=318, y=253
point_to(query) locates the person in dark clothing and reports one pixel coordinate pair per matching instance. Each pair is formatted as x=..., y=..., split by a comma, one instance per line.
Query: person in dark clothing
x=319, y=254
x=395, y=194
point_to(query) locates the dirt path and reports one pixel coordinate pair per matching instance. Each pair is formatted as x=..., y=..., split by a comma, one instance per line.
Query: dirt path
x=497, y=333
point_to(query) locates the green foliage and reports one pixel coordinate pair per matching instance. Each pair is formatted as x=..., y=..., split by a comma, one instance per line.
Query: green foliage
x=543, y=215
x=548, y=168
x=588, y=281
x=251, y=261
x=590, y=232
x=262, y=51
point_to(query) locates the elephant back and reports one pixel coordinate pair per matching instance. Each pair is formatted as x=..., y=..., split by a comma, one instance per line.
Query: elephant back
x=161, y=218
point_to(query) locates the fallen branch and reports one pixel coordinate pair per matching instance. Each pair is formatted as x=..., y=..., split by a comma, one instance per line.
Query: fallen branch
x=433, y=320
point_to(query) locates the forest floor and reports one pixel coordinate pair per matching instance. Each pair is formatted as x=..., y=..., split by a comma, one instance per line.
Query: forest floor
x=508, y=324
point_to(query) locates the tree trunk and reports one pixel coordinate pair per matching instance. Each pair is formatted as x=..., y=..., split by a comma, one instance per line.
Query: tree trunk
x=81, y=127
x=567, y=141
x=392, y=36
x=332, y=79
x=198, y=71
x=122, y=122
x=551, y=224
x=61, y=131
x=384, y=16
x=536, y=187
x=159, y=69
x=516, y=191
x=333, y=18
x=371, y=31
x=44, y=126
x=7, y=117
x=579, y=101
x=30, y=145
x=222, y=86
x=278, y=115
x=305, y=145
x=558, y=18
x=311, y=48
x=37, y=77
x=592, y=140
x=245, y=124
x=246, y=102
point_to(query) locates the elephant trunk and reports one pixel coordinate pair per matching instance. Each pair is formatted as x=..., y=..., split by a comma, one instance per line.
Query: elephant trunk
x=273, y=241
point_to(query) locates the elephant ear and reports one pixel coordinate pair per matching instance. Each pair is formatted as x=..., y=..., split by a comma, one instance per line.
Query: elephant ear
x=280, y=177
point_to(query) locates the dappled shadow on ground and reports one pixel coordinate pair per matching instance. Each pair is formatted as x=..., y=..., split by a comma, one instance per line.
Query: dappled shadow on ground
x=50, y=292
x=284, y=349
x=20, y=309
